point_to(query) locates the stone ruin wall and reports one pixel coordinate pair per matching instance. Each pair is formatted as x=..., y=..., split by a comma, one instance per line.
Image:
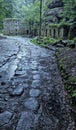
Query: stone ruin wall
x=13, y=27
x=54, y=32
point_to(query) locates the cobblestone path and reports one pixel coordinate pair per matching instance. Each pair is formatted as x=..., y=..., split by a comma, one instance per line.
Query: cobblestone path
x=32, y=95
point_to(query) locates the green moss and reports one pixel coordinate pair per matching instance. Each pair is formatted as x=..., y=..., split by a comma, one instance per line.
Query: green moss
x=72, y=79
x=61, y=24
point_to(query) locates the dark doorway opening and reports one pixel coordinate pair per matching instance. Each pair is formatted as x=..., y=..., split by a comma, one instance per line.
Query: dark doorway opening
x=50, y=32
x=16, y=31
x=54, y=33
x=66, y=30
x=27, y=32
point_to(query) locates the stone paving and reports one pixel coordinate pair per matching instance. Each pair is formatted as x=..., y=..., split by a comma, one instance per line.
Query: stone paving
x=32, y=95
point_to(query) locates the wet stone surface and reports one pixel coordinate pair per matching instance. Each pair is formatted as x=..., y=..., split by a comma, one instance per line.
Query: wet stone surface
x=32, y=95
x=34, y=92
x=27, y=121
x=17, y=91
x=31, y=104
x=5, y=117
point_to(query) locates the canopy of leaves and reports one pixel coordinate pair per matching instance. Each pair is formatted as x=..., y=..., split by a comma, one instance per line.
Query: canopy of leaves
x=69, y=13
x=6, y=9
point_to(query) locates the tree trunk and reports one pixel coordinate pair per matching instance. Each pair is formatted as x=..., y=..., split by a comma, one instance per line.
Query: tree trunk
x=40, y=18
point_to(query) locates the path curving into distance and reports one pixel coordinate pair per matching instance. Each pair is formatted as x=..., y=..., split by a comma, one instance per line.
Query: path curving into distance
x=32, y=95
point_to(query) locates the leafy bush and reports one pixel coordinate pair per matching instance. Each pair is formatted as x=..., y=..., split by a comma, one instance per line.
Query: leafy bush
x=74, y=39
x=44, y=41
x=71, y=44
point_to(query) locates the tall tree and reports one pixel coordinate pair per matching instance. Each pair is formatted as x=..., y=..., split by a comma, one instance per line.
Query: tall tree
x=40, y=17
x=6, y=9
x=69, y=14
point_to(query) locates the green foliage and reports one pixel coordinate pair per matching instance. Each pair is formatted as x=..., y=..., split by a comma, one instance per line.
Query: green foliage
x=62, y=64
x=74, y=39
x=69, y=12
x=31, y=13
x=6, y=9
x=74, y=93
x=72, y=79
x=69, y=80
x=44, y=41
x=71, y=44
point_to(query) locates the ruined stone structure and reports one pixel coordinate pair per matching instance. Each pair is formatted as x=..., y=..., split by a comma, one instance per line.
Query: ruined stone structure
x=13, y=26
x=54, y=31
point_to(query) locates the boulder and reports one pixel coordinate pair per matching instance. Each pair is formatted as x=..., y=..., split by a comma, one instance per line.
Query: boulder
x=55, y=11
x=55, y=3
x=61, y=43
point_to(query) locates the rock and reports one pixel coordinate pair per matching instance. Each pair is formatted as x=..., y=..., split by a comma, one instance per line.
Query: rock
x=54, y=15
x=34, y=72
x=36, y=76
x=5, y=117
x=65, y=42
x=2, y=104
x=34, y=92
x=17, y=91
x=55, y=11
x=31, y=103
x=35, y=83
x=26, y=121
x=59, y=45
x=24, y=85
x=55, y=3
x=18, y=73
x=51, y=48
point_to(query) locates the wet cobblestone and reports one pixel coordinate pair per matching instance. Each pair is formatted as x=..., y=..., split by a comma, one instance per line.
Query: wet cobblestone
x=32, y=95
